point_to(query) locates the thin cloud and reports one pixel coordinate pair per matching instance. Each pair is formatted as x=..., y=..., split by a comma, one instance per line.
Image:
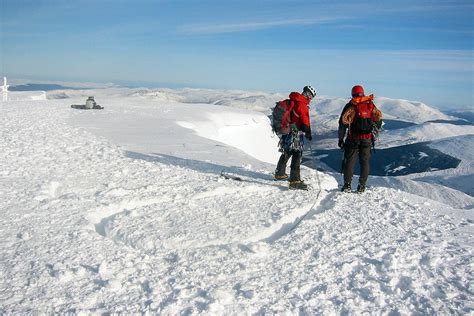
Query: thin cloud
x=436, y=7
x=207, y=29
x=428, y=6
x=407, y=29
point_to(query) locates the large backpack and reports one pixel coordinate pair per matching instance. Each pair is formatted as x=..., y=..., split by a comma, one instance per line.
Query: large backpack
x=363, y=120
x=281, y=117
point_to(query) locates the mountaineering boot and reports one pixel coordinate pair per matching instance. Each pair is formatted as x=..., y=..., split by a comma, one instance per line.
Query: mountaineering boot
x=280, y=177
x=346, y=187
x=298, y=185
x=360, y=188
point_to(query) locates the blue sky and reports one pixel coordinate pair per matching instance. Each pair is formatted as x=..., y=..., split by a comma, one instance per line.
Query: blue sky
x=417, y=50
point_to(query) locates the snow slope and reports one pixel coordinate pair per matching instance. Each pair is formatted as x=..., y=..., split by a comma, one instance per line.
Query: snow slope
x=422, y=133
x=460, y=178
x=123, y=210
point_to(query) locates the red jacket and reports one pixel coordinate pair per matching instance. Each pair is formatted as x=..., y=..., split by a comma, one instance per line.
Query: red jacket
x=300, y=114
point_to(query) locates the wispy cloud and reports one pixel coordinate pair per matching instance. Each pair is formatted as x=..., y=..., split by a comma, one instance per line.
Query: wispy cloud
x=433, y=6
x=207, y=29
x=404, y=6
x=412, y=30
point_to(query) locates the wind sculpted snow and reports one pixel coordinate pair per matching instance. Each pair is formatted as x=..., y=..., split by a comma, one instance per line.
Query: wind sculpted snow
x=100, y=216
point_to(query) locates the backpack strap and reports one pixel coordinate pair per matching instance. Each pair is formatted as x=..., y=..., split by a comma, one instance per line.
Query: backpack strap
x=292, y=109
x=291, y=104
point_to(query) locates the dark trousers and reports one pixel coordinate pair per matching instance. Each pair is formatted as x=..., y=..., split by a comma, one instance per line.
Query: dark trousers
x=352, y=150
x=294, y=167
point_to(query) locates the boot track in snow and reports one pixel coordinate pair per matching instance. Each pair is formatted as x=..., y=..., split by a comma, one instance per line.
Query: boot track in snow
x=288, y=227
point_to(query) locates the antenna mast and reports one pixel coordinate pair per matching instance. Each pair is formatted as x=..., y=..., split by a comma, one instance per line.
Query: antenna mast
x=5, y=89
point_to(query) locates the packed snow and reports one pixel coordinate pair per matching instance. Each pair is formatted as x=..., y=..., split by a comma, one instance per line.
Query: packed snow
x=123, y=210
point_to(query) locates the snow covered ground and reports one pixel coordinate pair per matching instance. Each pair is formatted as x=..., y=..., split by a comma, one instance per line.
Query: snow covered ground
x=124, y=210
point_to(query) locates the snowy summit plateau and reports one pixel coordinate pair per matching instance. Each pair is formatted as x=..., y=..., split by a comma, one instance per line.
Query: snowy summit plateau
x=125, y=210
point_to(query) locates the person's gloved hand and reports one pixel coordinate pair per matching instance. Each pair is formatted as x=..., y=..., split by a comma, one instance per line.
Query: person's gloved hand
x=308, y=136
x=340, y=143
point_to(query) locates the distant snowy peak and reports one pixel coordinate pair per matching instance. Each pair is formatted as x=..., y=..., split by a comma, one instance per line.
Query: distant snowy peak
x=467, y=115
x=398, y=109
x=159, y=95
x=410, y=111
x=326, y=105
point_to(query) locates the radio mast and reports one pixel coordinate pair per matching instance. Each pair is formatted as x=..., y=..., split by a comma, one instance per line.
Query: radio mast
x=5, y=89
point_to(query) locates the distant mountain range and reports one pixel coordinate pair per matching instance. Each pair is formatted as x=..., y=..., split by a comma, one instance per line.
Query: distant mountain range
x=463, y=114
x=41, y=87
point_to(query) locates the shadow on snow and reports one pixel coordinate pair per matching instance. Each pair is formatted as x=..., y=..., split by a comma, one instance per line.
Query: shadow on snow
x=207, y=167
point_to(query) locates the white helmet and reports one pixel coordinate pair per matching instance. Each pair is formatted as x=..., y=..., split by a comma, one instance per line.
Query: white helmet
x=310, y=90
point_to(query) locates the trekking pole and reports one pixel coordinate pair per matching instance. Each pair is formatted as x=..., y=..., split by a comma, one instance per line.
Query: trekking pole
x=312, y=155
x=343, y=161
